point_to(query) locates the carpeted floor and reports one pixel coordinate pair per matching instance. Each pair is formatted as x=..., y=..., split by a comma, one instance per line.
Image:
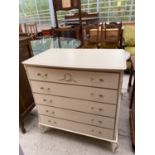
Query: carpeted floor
x=56, y=142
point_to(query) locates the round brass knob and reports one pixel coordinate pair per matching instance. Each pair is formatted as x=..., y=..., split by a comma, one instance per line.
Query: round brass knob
x=92, y=119
x=47, y=111
x=44, y=100
x=100, y=132
x=51, y=101
x=55, y=122
x=53, y=112
x=48, y=89
x=38, y=74
x=92, y=108
x=45, y=75
x=92, y=130
x=49, y=120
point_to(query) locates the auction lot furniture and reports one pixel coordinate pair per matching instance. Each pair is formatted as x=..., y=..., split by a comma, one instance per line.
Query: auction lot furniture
x=26, y=102
x=78, y=90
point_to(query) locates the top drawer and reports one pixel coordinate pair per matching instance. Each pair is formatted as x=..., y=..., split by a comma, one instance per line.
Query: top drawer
x=86, y=78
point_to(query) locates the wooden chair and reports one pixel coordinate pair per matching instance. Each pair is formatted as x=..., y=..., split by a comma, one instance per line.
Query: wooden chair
x=111, y=35
x=91, y=40
x=31, y=30
x=59, y=5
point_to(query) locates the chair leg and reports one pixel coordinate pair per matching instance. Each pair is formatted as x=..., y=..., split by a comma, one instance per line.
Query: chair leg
x=132, y=95
x=131, y=75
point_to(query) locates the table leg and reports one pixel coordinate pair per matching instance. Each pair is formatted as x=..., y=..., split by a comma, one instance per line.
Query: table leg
x=21, y=123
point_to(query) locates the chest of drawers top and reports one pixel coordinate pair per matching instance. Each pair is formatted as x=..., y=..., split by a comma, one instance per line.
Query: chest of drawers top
x=89, y=59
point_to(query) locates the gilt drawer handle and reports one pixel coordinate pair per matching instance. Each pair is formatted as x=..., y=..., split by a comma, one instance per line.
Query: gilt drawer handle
x=100, y=122
x=92, y=94
x=45, y=75
x=100, y=109
x=100, y=95
x=53, y=112
x=101, y=80
x=92, y=108
x=92, y=79
x=68, y=78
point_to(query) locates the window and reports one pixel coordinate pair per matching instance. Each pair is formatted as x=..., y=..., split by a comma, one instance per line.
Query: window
x=41, y=11
x=35, y=11
x=89, y=6
x=117, y=10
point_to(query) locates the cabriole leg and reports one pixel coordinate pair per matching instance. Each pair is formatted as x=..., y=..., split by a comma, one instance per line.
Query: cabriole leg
x=114, y=147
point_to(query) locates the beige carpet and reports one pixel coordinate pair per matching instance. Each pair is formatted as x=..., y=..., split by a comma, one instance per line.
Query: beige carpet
x=56, y=142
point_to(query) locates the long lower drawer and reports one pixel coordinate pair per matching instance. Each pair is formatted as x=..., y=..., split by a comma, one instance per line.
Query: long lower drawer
x=81, y=92
x=76, y=104
x=77, y=127
x=99, y=121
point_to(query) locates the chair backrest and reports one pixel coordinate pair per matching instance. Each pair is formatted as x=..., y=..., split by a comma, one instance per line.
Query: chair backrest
x=66, y=5
x=92, y=33
x=111, y=33
x=31, y=29
x=113, y=25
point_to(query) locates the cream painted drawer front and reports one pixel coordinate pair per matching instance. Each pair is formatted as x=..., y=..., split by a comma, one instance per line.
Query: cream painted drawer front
x=77, y=116
x=88, y=93
x=75, y=104
x=77, y=127
x=98, y=79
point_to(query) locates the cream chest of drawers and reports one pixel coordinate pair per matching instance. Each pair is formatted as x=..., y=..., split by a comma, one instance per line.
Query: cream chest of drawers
x=78, y=90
